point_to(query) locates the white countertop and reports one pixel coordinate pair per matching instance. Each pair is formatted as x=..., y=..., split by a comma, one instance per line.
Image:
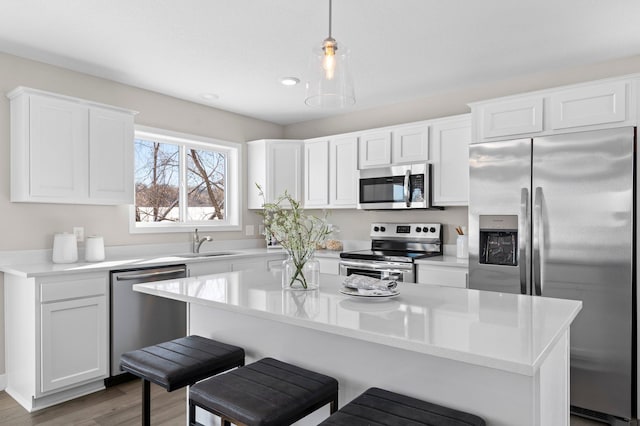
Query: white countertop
x=28, y=270
x=509, y=332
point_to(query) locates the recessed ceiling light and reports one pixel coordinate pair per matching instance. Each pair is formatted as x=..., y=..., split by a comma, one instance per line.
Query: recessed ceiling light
x=210, y=96
x=289, y=81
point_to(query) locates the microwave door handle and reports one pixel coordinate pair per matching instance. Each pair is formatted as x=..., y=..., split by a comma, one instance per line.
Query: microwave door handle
x=407, y=190
x=523, y=238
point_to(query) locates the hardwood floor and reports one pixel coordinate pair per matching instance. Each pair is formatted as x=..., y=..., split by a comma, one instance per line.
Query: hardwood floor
x=119, y=405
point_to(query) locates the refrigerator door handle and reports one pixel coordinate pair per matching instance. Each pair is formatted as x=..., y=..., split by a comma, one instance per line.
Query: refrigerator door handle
x=523, y=238
x=537, y=243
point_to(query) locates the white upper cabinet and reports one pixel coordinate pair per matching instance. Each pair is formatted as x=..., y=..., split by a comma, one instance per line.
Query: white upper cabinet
x=581, y=107
x=275, y=165
x=67, y=150
x=410, y=144
x=343, y=172
x=450, y=139
x=331, y=173
x=375, y=149
x=316, y=173
x=394, y=145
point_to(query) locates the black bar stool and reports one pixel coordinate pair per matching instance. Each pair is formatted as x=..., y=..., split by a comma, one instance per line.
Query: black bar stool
x=178, y=363
x=381, y=407
x=265, y=393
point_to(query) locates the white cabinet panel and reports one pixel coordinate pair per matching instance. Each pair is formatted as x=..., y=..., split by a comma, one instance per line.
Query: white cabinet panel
x=449, y=276
x=277, y=166
x=74, y=342
x=58, y=150
x=375, y=149
x=410, y=144
x=328, y=265
x=603, y=103
x=111, y=156
x=512, y=117
x=206, y=268
x=316, y=173
x=68, y=150
x=450, y=158
x=249, y=265
x=343, y=172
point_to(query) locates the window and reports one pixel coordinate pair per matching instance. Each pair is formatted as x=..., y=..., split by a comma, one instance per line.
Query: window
x=184, y=181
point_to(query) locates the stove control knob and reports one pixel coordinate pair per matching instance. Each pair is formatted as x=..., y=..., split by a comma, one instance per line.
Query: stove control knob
x=418, y=229
x=382, y=229
x=376, y=229
x=432, y=229
x=425, y=229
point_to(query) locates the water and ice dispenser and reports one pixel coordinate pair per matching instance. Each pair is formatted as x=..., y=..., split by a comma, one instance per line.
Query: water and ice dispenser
x=498, y=240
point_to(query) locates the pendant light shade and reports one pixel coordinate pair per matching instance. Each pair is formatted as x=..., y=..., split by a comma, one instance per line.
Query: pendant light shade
x=330, y=84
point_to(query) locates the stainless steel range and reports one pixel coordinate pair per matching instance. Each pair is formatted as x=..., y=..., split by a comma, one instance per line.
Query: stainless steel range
x=394, y=249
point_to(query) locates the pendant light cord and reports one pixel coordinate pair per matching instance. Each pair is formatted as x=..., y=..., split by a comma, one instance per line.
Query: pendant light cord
x=329, y=18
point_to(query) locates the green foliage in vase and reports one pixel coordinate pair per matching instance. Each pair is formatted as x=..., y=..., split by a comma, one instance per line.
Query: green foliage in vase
x=298, y=233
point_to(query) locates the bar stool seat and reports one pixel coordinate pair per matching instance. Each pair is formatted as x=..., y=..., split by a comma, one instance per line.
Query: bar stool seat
x=381, y=407
x=178, y=363
x=268, y=392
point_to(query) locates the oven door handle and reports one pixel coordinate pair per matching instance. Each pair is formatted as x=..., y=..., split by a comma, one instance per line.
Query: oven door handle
x=407, y=189
x=377, y=266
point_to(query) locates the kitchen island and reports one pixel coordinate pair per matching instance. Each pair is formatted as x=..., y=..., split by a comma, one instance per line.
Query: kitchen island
x=500, y=356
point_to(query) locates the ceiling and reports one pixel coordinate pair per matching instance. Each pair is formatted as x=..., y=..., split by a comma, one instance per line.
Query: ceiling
x=239, y=49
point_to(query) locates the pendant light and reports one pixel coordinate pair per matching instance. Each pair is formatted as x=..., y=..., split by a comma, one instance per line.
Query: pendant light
x=330, y=84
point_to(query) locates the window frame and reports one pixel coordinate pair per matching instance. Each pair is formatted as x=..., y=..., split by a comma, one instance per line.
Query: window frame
x=233, y=182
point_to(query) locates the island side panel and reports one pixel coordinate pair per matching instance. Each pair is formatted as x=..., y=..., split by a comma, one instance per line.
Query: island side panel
x=501, y=398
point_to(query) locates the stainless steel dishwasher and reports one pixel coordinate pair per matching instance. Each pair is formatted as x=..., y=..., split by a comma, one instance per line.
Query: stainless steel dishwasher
x=139, y=320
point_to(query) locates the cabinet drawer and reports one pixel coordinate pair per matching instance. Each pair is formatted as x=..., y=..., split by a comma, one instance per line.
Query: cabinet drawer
x=328, y=266
x=604, y=103
x=444, y=276
x=72, y=288
x=512, y=118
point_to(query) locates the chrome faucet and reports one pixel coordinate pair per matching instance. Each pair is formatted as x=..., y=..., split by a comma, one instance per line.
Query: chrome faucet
x=197, y=241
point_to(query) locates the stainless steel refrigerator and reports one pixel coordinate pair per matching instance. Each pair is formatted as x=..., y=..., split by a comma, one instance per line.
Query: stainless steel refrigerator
x=554, y=216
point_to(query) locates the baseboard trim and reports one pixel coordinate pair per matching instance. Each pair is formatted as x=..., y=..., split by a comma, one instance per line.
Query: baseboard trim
x=3, y=382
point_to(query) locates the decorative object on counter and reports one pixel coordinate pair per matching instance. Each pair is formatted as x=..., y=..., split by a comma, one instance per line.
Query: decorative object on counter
x=362, y=285
x=462, y=243
x=94, y=249
x=65, y=248
x=299, y=234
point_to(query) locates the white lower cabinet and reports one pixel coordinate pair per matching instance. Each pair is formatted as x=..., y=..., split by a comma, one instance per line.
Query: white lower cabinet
x=249, y=265
x=73, y=342
x=449, y=276
x=206, y=268
x=57, y=337
x=328, y=265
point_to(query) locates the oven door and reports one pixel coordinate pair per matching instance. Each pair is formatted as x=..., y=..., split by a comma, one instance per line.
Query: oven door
x=396, y=271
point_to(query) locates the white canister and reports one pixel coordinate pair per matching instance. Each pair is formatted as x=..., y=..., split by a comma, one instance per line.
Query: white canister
x=65, y=248
x=94, y=250
x=462, y=246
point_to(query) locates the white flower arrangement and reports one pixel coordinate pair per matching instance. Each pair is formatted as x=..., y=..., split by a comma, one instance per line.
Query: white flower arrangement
x=297, y=232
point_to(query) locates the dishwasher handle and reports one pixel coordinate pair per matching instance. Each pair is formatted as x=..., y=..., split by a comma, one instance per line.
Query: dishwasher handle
x=145, y=275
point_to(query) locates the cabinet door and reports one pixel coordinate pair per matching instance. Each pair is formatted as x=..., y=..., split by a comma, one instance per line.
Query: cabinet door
x=316, y=173
x=509, y=118
x=374, y=149
x=447, y=276
x=207, y=268
x=410, y=144
x=73, y=342
x=284, y=169
x=343, y=172
x=110, y=156
x=250, y=265
x=600, y=104
x=58, y=149
x=450, y=159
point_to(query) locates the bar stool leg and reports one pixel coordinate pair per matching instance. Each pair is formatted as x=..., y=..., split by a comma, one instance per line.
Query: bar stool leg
x=146, y=403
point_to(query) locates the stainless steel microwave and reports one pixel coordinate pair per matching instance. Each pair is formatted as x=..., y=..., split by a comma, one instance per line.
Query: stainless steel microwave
x=395, y=187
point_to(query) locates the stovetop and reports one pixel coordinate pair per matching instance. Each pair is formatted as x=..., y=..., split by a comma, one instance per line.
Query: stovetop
x=401, y=242
x=387, y=255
